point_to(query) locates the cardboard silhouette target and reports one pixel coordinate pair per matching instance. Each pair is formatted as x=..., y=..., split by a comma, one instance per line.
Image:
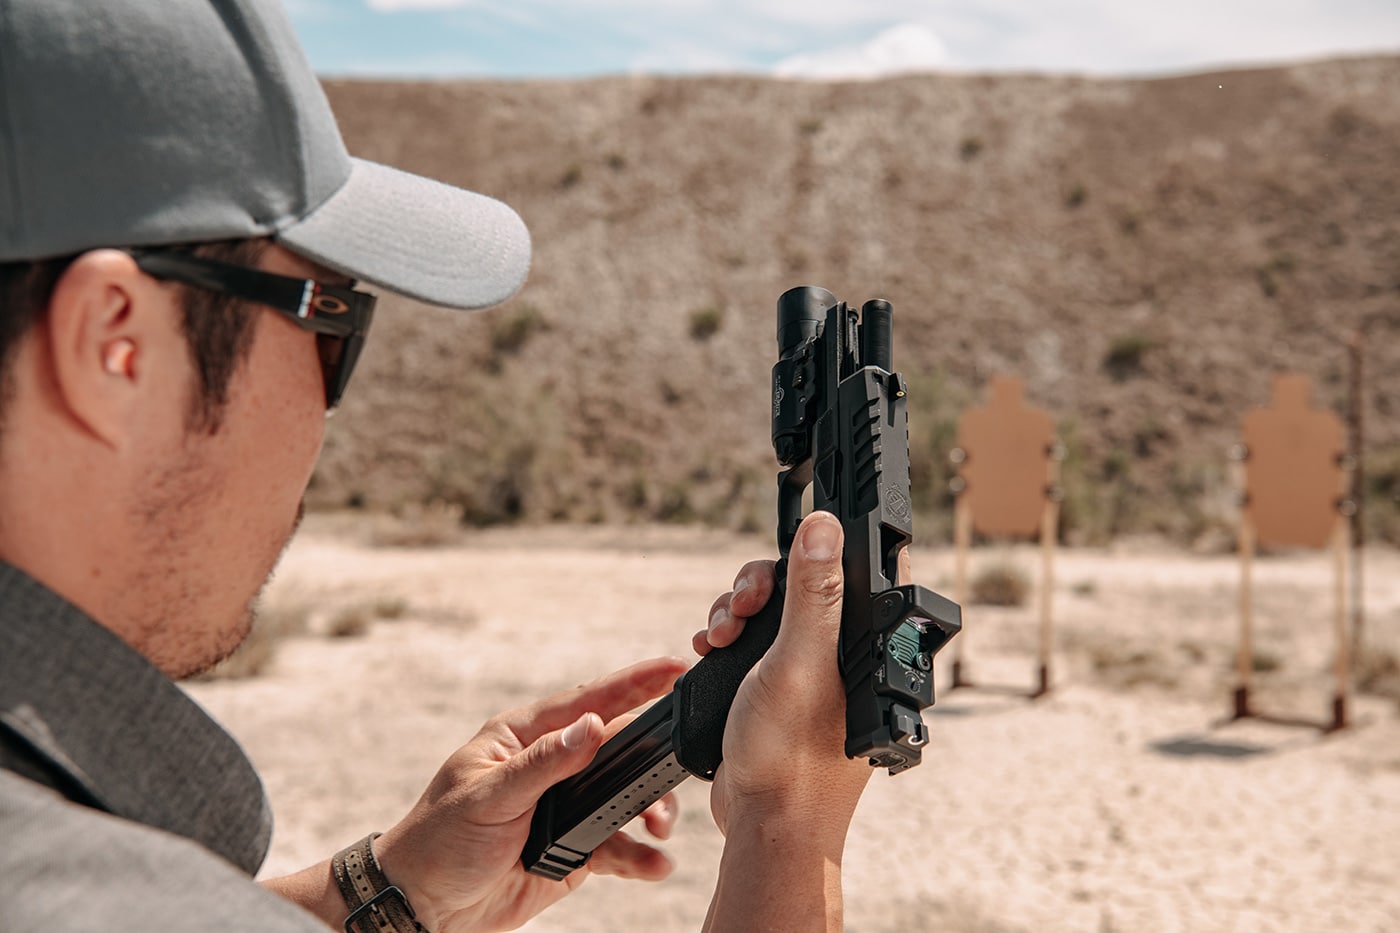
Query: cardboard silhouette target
x=1005, y=445
x=1293, y=471
x=1007, y=470
x=1293, y=497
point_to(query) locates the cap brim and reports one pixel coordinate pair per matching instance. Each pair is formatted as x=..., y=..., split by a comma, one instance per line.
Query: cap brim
x=418, y=237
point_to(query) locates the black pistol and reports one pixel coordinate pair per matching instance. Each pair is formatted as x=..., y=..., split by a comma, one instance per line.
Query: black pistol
x=840, y=426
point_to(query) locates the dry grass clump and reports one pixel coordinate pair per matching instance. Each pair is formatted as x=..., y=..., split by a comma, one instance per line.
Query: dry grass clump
x=1377, y=672
x=355, y=620
x=1126, y=667
x=705, y=322
x=1001, y=584
x=390, y=607
x=350, y=622
x=437, y=524
x=272, y=624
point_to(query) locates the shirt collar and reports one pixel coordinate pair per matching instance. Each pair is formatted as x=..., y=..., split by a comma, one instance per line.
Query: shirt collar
x=98, y=712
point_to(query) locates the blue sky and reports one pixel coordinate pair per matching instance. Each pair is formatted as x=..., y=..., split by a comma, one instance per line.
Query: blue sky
x=828, y=38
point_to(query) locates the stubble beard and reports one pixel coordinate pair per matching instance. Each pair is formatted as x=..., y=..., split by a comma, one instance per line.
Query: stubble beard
x=174, y=599
x=247, y=618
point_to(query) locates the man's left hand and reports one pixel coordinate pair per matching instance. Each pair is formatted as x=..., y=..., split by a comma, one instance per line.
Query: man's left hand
x=457, y=854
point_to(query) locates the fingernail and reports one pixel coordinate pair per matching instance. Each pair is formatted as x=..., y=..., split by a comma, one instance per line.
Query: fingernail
x=821, y=539
x=577, y=734
x=717, y=618
x=741, y=584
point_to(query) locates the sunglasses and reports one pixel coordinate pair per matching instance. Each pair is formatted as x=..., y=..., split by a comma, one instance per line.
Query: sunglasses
x=339, y=316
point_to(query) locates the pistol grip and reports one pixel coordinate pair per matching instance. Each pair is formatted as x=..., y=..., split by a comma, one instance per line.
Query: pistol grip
x=706, y=692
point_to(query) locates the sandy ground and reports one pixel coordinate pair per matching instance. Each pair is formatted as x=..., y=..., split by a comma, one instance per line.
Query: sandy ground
x=1122, y=801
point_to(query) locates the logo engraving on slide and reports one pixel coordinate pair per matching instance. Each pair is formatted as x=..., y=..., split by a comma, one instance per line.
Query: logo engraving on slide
x=898, y=505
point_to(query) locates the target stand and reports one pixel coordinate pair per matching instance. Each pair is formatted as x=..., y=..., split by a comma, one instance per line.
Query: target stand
x=1294, y=483
x=1007, y=459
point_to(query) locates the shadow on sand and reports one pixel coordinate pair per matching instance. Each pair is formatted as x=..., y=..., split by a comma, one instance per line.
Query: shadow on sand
x=1194, y=746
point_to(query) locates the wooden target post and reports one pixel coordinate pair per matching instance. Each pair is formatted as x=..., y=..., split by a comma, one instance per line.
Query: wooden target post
x=1294, y=496
x=1008, y=471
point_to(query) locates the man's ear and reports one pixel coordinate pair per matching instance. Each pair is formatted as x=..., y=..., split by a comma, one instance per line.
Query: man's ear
x=110, y=331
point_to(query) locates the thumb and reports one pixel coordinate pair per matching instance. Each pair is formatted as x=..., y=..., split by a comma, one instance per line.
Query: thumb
x=551, y=758
x=812, y=608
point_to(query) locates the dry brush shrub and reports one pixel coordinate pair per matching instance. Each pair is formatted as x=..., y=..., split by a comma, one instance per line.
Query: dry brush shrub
x=1266, y=661
x=1377, y=672
x=1103, y=489
x=507, y=458
x=1001, y=584
x=1132, y=669
x=390, y=607
x=510, y=332
x=355, y=620
x=435, y=524
x=272, y=625
x=350, y=622
x=1382, y=494
x=1125, y=665
x=275, y=623
x=936, y=401
x=706, y=322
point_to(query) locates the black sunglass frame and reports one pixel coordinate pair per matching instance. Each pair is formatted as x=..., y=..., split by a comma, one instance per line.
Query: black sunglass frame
x=333, y=311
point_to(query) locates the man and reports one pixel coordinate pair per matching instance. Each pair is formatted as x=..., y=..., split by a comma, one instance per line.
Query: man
x=181, y=231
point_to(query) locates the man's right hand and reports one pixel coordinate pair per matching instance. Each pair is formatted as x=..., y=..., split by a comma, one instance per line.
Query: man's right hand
x=786, y=791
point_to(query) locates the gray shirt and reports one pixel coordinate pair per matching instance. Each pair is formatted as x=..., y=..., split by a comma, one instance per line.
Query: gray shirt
x=122, y=804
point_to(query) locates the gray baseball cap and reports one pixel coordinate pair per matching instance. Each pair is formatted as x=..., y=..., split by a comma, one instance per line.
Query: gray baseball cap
x=147, y=122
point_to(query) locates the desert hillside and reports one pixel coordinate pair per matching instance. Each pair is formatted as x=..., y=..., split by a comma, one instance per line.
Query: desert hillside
x=1144, y=253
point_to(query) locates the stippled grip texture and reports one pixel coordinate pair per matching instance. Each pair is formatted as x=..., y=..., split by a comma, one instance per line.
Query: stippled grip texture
x=706, y=692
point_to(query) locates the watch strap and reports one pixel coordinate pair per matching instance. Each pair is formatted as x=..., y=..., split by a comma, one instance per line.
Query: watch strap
x=376, y=906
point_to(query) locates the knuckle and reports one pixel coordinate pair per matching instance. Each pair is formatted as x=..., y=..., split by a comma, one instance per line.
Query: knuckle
x=825, y=587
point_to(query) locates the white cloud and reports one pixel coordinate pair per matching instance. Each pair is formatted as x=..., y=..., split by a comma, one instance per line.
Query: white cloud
x=1104, y=37
x=804, y=14
x=1093, y=36
x=672, y=57
x=899, y=49
x=396, y=6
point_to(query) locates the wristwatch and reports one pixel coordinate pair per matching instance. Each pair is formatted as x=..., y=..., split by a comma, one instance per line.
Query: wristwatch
x=376, y=906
